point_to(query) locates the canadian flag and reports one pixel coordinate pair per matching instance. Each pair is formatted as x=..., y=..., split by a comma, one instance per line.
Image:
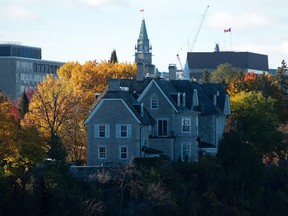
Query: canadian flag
x=227, y=30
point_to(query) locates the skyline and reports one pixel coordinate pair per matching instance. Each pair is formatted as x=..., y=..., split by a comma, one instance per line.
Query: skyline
x=82, y=30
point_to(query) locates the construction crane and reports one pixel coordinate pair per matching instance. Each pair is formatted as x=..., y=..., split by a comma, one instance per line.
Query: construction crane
x=195, y=38
x=199, y=28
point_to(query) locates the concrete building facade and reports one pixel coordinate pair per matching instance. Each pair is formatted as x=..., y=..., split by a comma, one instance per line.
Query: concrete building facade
x=21, y=68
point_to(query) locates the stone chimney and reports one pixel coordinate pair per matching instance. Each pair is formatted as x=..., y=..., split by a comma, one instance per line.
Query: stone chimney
x=172, y=71
x=114, y=85
x=140, y=71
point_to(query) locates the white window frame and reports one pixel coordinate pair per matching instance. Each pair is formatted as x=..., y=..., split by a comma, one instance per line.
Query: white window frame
x=162, y=133
x=186, y=125
x=120, y=152
x=185, y=150
x=105, y=132
x=120, y=132
x=154, y=102
x=99, y=152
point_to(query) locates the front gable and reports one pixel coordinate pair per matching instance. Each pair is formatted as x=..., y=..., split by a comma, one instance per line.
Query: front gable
x=154, y=89
x=106, y=106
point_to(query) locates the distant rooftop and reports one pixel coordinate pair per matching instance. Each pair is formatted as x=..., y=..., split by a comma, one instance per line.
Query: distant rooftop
x=18, y=50
x=243, y=60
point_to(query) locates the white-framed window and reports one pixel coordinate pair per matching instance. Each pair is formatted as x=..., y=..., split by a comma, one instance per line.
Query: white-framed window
x=186, y=125
x=123, y=130
x=154, y=102
x=162, y=127
x=123, y=152
x=101, y=130
x=102, y=152
x=185, y=151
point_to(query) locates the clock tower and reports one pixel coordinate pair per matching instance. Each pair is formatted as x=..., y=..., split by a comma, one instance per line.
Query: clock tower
x=143, y=52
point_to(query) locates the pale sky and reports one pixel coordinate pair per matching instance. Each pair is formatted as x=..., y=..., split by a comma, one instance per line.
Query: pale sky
x=81, y=30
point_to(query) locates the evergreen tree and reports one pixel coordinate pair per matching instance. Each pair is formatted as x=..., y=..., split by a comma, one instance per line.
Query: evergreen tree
x=57, y=150
x=205, y=77
x=24, y=104
x=113, y=58
x=282, y=78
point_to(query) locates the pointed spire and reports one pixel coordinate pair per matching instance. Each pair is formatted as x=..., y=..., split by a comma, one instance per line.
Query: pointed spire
x=143, y=36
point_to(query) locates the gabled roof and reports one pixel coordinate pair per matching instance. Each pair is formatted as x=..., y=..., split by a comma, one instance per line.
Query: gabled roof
x=172, y=87
x=163, y=90
x=136, y=90
x=129, y=101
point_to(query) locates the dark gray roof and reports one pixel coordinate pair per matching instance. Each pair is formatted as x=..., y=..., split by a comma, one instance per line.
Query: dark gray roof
x=212, y=89
x=206, y=105
x=170, y=88
x=243, y=60
x=173, y=87
x=133, y=105
x=18, y=50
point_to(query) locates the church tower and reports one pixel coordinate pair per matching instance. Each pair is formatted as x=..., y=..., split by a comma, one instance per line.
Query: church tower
x=143, y=54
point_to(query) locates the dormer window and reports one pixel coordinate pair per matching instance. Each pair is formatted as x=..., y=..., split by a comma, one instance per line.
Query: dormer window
x=195, y=98
x=154, y=102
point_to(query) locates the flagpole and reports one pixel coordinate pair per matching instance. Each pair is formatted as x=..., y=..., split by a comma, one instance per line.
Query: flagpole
x=142, y=11
x=229, y=31
x=231, y=40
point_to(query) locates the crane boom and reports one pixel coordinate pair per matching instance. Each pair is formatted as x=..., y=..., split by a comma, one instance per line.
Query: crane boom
x=199, y=28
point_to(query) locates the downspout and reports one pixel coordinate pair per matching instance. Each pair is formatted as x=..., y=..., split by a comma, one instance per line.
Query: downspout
x=140, y=140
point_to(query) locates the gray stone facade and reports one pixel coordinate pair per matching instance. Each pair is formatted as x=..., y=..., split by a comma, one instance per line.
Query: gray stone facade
x=163, y=116
x=149, y=117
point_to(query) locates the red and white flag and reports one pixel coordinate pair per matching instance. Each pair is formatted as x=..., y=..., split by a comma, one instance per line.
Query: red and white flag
x=227, y=30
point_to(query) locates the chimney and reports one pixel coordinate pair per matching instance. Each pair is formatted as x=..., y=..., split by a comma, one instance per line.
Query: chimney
x=114, y=85
x=172, y=71
x=140, y=71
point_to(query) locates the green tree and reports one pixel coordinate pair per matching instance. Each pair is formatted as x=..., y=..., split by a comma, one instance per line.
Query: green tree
x=255, y=118
x=24, y=104
x=205, y=77
x=57, y=150
x=225, y=73
x=113, y=58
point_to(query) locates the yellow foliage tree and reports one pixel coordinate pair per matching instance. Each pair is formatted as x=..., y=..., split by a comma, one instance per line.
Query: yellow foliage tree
x=20, y=148
x=53, y=110
x=8, y=132
x=92, y=77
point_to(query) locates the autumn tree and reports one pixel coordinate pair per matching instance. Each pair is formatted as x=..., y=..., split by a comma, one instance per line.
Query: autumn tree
x=92, y=77
x=50, y=109
x=8, y=132
x=257, y=121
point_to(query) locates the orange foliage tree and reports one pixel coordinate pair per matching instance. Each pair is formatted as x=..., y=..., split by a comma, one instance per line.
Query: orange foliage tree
x=92, y=77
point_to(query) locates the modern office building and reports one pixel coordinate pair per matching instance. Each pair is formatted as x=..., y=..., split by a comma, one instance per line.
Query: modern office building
x=22, y=67
x=247, y=61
